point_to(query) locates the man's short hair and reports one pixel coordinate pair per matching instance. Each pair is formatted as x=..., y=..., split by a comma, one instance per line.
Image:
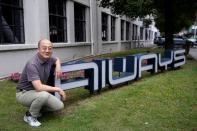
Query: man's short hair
x=40, y=41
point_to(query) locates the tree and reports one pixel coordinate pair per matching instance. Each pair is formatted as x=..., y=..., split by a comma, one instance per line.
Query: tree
x=170, y=15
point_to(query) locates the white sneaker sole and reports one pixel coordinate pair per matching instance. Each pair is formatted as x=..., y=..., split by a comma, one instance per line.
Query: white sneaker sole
x=25, y=119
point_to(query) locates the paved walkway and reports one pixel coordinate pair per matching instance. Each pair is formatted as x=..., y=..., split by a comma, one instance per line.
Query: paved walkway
x=193, y=53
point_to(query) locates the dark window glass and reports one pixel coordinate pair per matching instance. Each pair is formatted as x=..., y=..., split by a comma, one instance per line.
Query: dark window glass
x=133, y=32
x=80, y=23
x=149, y=34
x=113, y=28
x=134, y=35
x=11, y=22
x=146, y=34
x=141, y=33
x=155, y=35
x=122, y=29
x=127, y=30
x=57, y=20
x=104, y=26
x=193, y=31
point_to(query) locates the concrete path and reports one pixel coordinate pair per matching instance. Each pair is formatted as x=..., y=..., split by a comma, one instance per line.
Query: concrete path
x=193, y=53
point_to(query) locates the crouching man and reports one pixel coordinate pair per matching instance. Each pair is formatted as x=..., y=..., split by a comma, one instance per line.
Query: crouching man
x=33, y=89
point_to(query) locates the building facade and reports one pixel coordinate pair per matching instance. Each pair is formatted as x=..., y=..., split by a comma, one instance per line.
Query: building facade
x=77, y=28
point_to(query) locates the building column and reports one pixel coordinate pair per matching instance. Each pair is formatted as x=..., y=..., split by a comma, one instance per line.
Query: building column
x=118, y=33
x=88, y=25
x=70, y=21
x=36, y=20
x=99, y=30
x=93, y=27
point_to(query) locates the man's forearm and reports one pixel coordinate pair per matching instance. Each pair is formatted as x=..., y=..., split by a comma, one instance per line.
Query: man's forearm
x=49, y=88
x=42, y=87
x=58, y=72
x=58, y=63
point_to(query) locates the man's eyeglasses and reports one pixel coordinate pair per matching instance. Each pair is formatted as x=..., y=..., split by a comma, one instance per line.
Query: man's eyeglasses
x=49, y=48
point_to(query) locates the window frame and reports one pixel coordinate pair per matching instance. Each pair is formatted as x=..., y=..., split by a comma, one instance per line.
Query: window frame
x=122, y=29
x=127, y=30
x=113, y=28
x=141, y=33
x=12, y=22
x=134, y=34
x=146, y=34
x=57, y=21
x=80, y=22
x=104, y=23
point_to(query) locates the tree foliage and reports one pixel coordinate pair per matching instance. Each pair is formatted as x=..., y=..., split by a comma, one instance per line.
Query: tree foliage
x=182, y=13
x=130, y=8
x=170, y=15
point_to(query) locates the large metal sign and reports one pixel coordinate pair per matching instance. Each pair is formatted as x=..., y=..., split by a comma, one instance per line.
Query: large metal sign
x=101, y=72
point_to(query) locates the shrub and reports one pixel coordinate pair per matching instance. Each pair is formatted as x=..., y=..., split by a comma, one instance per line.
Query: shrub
x=15, y=76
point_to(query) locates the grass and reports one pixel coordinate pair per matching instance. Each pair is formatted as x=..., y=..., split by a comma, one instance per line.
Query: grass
x=164, y=101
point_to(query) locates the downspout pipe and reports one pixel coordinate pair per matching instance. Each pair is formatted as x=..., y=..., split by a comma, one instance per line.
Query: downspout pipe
x=91, y=29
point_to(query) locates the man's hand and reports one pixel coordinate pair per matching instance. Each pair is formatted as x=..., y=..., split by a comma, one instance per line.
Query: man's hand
x=58, y=72
x=62, y=94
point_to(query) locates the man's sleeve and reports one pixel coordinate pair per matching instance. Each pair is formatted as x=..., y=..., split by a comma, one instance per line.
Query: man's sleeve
x=53, y=60
x=32, y=72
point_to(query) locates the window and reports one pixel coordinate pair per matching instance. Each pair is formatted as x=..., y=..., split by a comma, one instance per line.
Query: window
x=122, y=29
x=193, y=31
x=11, y=22
x=156, y=34
x=127, y=30
x=149, y=35
x=113, y=28
x=80, y=23
x=57, y=20
x=104, y=26
x=146, y=34
x=141, y=33
x=134, y=32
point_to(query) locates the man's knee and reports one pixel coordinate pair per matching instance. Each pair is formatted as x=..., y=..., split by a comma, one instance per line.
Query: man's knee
x=60, y=106
x=54, y=104
x=43, y=95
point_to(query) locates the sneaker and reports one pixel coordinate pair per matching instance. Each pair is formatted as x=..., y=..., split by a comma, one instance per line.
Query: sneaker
x=32, y=121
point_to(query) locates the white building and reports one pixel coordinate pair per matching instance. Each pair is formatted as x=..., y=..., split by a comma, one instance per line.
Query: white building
x=76, y=27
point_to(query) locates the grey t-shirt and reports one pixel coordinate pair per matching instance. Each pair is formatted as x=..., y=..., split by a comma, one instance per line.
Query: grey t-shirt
x=35, y=69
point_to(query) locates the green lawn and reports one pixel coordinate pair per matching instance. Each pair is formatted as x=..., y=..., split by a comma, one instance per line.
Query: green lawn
x=161, y=102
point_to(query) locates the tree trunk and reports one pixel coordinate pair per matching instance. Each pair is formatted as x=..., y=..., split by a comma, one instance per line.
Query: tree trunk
x=169, y=24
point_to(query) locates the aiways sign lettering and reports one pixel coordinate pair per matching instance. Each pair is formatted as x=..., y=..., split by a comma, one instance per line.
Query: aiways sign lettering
x=99, y=72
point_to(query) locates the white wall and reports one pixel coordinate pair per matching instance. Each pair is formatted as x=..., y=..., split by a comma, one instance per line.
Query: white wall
x=35, y=20
x=36, y=23
x=14, y=60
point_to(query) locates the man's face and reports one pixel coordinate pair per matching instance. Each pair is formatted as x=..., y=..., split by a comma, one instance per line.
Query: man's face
x=45, y=49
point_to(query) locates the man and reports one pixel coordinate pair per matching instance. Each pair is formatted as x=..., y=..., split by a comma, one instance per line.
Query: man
x=32, y=88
